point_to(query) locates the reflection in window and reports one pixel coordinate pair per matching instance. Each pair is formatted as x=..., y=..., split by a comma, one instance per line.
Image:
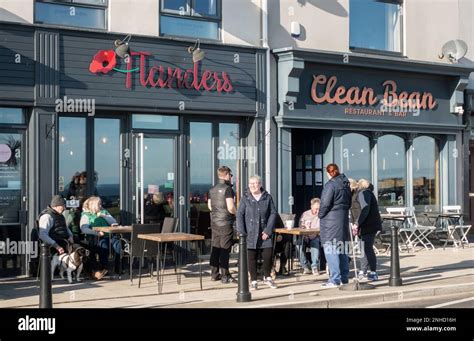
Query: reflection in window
x=381, y=31
x=190, y=18
x=72, y=157
x=10, y=178
x=425, y=174
x=155, y=122
x=201, y=175
x=356, y=156
x=11, y=115
x=228, y=152
x=391, y=166
x=70, y=15
x=107, y=164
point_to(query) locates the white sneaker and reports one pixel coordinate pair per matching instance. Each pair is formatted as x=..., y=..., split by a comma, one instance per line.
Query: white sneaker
x=254, y=285
x=328, y=285
x=315, y=271
x=269, y=281
x=306, y=271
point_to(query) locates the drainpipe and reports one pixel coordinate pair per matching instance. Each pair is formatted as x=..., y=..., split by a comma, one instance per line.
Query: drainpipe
x=267, y=93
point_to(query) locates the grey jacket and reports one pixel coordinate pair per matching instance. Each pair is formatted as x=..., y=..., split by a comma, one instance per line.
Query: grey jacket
x=334, y=210
x=255, y=217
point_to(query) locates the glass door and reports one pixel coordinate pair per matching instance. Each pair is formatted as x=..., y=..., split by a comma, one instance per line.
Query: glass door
x=155, y=173
x=12, y=205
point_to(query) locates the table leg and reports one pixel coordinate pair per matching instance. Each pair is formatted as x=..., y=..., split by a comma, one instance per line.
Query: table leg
x=274, y=253
x=158, y=269
x=141, y=264
x=162, y=272
x=199, y=260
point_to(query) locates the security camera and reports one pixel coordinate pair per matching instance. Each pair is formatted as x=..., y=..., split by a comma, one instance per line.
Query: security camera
x=295, y=29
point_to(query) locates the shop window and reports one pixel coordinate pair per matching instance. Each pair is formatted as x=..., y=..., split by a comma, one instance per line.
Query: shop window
x=160, y=122
x=190, y=18
x=356, y=156
x=426, y=190
x=391, y=170
x=375, y=25
x=77, y=13
x=11, y=116
x=229, y=152
x=107, y=163
x=201, y=175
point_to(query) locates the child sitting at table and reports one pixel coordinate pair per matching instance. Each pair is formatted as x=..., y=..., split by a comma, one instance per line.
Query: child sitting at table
x=93, y=215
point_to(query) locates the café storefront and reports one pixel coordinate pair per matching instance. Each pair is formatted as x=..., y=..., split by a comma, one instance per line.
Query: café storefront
x=391, y=121
x=146, y=132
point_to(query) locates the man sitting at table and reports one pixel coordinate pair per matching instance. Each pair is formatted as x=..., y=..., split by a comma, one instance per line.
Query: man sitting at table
x=93, y=215
x=309, y=220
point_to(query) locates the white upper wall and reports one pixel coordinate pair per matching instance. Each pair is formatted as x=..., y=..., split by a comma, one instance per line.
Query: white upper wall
x=241, y=22
x=134, y=16
x=324, y=24
x=17, y=11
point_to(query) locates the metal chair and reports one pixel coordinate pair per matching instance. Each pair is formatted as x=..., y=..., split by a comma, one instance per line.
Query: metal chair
x=456, y=230
x=136, y=245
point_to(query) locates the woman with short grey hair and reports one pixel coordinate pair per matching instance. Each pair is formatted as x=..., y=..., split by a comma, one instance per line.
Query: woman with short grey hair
x=256, y=218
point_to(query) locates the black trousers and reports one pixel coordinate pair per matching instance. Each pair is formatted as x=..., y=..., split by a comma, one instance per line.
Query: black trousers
x=252, y=262
x=219, y=261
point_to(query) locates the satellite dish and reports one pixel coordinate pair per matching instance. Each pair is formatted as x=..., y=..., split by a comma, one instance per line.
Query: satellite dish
x=454, y=50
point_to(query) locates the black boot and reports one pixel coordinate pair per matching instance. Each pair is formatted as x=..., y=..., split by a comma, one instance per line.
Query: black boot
x=215, y=275
x=226, y=277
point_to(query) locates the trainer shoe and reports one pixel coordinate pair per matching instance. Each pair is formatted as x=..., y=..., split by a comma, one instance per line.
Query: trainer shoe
x=362, y=275
x=228, y=279
x=307, y=271
x=372, y=276
x=254, y=285
x=329, y=285
x=269, y=281
x=315, y=271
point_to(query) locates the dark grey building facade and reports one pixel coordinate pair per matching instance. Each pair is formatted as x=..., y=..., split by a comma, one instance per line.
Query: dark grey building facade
x=145, y=132
x=393, y=121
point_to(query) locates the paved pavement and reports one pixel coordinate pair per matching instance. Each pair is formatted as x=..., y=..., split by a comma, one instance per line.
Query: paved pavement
x=425, y=274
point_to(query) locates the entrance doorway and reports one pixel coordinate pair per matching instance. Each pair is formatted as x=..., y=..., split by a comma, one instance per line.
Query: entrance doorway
x=155, y=175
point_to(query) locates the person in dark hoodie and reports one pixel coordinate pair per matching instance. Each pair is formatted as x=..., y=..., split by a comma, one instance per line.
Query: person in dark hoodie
x=366, y=222
x=256, y=218
x=334, y=216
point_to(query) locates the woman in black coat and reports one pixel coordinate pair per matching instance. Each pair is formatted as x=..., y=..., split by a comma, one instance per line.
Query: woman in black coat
x=366, y=222
x=334, y=215
x=256, y=218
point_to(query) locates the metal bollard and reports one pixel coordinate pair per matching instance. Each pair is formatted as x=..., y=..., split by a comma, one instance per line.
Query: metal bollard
x=395, y=280
x=46, y=297
x=243, y=293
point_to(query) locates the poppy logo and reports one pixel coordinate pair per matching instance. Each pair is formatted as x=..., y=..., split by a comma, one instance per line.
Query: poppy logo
x=103, y=61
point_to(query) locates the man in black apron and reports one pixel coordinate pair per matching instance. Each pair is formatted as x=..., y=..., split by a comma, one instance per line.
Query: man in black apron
x=222, y=206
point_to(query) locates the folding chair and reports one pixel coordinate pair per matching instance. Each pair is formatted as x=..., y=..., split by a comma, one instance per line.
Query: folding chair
x=405, y=231
x=456, y=230
x=420, y=232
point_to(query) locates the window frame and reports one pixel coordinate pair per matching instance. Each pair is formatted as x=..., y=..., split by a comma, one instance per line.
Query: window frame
x=192, y=15
x=401, y=16
x=73, y=3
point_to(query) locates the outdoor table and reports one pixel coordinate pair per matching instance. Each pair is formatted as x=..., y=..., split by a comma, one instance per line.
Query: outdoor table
x=442, y=220
x=116, y=229
x=397, y=221
x=168, y=238
x=295, y=231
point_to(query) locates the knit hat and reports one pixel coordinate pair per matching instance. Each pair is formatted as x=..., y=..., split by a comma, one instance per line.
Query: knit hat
x=57, y=201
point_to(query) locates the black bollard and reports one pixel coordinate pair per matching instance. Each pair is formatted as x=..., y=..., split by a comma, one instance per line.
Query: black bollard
x=243, y=293
x=46, y=297
x=395, y=280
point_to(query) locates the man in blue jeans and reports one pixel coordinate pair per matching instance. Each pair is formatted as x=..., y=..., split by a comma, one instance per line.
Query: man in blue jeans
x=310, y=220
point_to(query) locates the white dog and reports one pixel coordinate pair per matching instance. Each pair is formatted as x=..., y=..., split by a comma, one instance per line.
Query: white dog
x=69, y=262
